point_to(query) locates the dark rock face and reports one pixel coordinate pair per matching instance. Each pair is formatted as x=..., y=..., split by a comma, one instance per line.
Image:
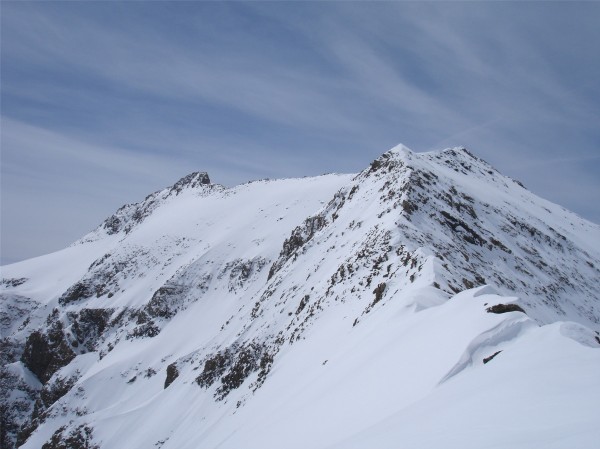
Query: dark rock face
x=77, y=438
x=192, y=181
x=145, y=330
x=504, y=308
x=300, y=236
x=37, y=355
x=234, y=365
x=47, y=396
x=46, y=353
x=487, y=359
x=78, y=291
x=165, y=301
x=385, y=163
x=55, y=390
x=88, y=326
x=172, y=374
x=214, y=368
x=128, y=216
x=14, y=310
x=112, y=225
x=10, y=350
x=302, y=304
x=16, y=403
x=13, y=282
x=244, y=364
x=379, y=292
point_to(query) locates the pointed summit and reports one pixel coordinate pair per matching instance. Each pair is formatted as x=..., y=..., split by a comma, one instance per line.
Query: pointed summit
x=192, y=181
x=130, y=215
x=401, y=149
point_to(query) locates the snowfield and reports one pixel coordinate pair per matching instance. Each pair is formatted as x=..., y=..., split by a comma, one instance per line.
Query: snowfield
x=428, y=301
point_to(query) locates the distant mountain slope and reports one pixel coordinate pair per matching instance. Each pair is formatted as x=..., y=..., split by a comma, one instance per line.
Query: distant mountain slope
x=336, y=311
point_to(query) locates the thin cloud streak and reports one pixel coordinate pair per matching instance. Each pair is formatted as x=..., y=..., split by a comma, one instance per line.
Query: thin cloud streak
x=149, y=92
x=158, y=67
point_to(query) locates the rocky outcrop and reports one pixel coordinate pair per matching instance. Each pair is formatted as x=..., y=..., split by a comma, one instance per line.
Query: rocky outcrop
x=234, y=364
x=80, y=437
x=131, y=215
x=191, y=181
x=46, y=351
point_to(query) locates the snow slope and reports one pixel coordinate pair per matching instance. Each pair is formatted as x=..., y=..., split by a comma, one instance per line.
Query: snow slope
x=336, y=311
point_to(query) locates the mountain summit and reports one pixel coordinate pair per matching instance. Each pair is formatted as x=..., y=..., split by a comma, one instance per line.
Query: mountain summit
x=427, y=301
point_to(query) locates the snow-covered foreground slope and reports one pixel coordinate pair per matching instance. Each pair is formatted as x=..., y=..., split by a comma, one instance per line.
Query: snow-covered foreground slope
x=428, y=301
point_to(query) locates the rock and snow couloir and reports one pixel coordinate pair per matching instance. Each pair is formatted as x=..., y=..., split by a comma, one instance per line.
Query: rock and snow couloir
x=428, y=301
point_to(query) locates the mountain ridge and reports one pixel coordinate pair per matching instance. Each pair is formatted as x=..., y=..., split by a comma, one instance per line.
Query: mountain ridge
x=233, y=293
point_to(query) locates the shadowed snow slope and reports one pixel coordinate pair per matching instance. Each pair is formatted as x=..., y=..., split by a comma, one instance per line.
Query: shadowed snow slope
x=428, y=301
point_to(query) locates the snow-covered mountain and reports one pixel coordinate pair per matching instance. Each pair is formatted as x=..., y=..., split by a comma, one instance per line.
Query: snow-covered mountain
x=428, y=301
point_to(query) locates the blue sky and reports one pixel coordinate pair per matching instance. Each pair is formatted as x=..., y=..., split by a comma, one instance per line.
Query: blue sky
x=105, y=102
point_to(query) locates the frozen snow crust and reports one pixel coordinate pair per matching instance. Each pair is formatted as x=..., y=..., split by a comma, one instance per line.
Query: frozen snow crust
x=428, y=301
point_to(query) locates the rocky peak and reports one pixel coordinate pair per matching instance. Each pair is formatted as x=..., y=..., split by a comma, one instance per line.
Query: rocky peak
x=130, y=215
x=401, y=150
x=192, y=181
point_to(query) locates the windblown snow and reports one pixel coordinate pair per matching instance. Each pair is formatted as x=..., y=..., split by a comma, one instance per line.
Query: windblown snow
x=428, y=301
